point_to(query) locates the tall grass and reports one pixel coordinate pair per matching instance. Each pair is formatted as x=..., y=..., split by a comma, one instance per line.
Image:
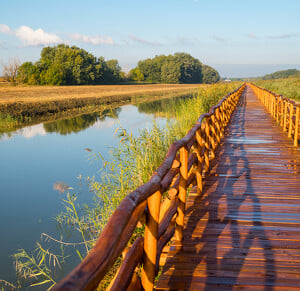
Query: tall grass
x=289, y=87
x=131, y=164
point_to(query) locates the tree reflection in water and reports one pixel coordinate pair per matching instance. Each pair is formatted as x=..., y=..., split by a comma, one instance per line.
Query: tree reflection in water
x=78, y=123
x=161, y=106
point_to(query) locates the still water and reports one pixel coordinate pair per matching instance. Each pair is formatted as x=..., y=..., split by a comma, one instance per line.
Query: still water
x=32, y=159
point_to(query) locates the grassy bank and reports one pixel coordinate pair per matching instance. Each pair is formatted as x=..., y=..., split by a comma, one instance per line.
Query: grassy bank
x=17, y=115
x=131, y=164
x=289, y=87
x=22, y=106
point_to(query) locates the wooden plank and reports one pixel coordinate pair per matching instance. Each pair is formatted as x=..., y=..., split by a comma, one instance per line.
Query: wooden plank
x=243, y=232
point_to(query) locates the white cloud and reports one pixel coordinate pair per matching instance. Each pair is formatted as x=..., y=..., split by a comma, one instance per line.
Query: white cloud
x=95, y=40
x=143, y=41
x=31, y=37
x=5, y=29
x=104, y=124
x=32, y=131
x=37, y=37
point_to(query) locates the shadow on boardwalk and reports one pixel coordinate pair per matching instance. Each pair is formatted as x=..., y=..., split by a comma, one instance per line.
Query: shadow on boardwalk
x=214, y=258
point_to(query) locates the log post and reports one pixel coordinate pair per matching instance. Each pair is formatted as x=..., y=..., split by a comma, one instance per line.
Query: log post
x=297, y=126
x=285, y=115
x=213, y=135
x=218, y=126
x=150, y=243
x=282, y=112
x=277, y=109
x=206, y=143
x=200, y=162
x=291, y=120
x=182, y=193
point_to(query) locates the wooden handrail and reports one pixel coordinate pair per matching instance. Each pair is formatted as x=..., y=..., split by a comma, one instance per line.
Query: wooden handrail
x=285, y=111
x=186, y=162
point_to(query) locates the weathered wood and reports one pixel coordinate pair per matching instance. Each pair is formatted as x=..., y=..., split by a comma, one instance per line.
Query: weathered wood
x=150, y=242
x=182, y=192
x=124, y=275
x=163, y=240
x=297, y=120
x=243, y=232
x=87, y=275
x=291, y=120
x=168, y=215
x=135, y=284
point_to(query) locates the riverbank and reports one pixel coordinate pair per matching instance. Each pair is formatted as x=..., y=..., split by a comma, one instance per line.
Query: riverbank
x=28, y=105
x=45, y=94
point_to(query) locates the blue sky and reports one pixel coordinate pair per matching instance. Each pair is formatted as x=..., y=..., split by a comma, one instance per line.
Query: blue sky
x=229, y=35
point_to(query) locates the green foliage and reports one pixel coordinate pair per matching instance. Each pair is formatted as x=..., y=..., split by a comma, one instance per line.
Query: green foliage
x=289, y=87
x=282, y=74
x=65, y=65
x=113, y=71
x=210, y=75
x=136, y=75
x=177, y=68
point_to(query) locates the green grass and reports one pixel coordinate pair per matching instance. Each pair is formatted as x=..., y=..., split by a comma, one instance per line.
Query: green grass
x=289, y=87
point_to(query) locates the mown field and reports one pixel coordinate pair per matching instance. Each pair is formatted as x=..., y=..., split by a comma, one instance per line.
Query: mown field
x=30, y=94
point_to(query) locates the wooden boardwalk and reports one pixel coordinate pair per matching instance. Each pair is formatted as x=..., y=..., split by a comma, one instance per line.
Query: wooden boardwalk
x=243, y=233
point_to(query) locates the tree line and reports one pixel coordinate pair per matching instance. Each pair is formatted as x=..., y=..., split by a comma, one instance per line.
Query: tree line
x=70, y=65
x=290, y=73
x=175, y=69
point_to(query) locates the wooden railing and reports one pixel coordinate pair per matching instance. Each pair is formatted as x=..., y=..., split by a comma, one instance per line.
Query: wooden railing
x=285, y=111
x=159, y=205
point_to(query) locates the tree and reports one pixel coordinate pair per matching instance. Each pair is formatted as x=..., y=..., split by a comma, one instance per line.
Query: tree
x=113, y=71
x=136, y=75
x=171, y=72
x=210, y=75
x=69, y=65
x=177, y=68
x=10, y=70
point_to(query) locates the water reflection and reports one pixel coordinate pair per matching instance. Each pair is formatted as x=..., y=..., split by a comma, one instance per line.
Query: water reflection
x=81, y=122
x=78, y=123
x=161, y=106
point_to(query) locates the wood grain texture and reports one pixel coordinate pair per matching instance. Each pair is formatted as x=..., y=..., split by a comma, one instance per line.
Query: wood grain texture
x=243, y=232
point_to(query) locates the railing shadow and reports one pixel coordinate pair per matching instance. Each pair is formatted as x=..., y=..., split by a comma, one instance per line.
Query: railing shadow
x=234, y=185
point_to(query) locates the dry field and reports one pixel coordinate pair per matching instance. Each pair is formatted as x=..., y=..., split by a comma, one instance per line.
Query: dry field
x=46, y=94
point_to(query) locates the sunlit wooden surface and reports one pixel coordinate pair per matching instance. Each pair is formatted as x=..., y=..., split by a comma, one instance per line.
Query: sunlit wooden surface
x=243, y=233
